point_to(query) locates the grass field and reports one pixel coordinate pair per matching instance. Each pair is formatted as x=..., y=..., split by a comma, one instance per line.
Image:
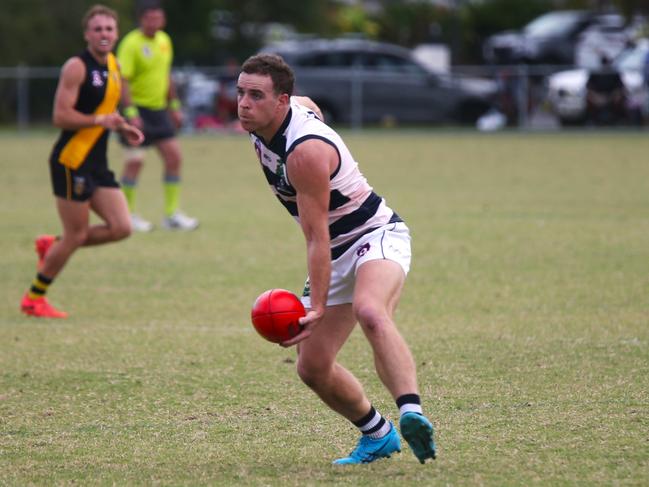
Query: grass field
x=527, y=309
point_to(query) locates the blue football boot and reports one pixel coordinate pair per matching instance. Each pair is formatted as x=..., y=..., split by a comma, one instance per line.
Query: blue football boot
x=418, y=432
x=369, y=449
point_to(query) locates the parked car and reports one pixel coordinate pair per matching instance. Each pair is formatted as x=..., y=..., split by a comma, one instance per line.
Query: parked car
x=608, y=37
x=567, y=89
x=354, y=80
x=548, y=39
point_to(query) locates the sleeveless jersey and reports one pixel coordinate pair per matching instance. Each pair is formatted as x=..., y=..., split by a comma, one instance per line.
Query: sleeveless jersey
x=354, y=208
x=98, y=94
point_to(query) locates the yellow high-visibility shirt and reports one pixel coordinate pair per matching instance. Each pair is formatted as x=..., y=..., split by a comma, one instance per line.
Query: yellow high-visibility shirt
x=145, y=63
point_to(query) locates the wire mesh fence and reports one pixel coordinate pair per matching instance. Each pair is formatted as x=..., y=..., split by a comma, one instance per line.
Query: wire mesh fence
x=524, y=97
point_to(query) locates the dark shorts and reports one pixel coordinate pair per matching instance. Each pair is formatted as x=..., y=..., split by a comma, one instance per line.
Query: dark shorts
x=80, y=184
x=157, y=125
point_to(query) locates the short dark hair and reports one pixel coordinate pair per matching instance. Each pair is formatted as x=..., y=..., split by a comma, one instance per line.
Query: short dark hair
x=97, y=10
x=143, y=6
x=273, y=66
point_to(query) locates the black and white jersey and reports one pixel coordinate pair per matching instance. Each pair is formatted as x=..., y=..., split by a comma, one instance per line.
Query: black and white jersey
x=354, y=208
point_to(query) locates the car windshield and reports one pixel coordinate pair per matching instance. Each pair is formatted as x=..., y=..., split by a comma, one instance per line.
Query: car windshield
x=632, y=59
x=375, y=61
x=552, y=24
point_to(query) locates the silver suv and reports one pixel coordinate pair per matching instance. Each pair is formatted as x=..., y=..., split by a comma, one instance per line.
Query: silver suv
x=360, y=81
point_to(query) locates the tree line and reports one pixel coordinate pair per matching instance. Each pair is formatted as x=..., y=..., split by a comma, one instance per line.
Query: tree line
x=209, y=32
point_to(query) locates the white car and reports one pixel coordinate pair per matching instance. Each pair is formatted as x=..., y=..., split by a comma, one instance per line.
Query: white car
x=610, y=37
x=567, y=89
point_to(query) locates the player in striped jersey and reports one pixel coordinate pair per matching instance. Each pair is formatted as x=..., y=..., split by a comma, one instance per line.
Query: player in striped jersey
x=85, y=108
x=358, y=255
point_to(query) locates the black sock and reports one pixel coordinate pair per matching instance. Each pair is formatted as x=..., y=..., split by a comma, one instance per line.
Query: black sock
x=409, y=403
x=39, y=286
x=373, y=424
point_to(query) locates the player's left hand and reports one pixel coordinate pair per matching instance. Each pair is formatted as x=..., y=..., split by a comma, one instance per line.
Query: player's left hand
x=177, y=117
x=307, y=323
x=133, y=135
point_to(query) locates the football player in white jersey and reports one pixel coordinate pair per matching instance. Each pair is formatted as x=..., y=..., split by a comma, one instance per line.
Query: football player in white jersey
x=358, y=255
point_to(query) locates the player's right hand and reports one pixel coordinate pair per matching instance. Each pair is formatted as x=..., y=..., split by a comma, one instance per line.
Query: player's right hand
x=307, y=322
x=110, y=121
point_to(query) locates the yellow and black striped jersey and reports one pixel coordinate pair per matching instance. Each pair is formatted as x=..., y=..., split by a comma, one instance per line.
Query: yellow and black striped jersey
x=98, y=94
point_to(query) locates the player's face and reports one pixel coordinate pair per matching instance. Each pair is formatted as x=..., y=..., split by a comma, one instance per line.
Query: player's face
x=152, y=20
x=260, y=109
x=101, y=34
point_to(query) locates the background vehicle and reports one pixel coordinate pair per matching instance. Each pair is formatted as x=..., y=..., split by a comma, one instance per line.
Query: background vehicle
x=360, y=81
x=567, y=89
x=610, y=36
x=548, y=39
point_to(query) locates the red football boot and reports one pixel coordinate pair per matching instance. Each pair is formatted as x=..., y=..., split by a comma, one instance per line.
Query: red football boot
x=40, y=308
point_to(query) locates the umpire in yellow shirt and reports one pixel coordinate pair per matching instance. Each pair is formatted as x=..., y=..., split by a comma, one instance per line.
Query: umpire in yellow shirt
x=151, y=104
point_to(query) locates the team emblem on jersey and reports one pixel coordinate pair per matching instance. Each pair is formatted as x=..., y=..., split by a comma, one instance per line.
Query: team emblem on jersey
x=97, y=79
x=79, y=185
x=282, y=185
x=363, y=249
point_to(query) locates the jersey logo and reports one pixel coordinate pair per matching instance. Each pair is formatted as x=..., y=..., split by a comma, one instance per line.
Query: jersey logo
x=146, y=51
x=282, y=185
x=97, y=79
x=79, y=185
x=363, y=249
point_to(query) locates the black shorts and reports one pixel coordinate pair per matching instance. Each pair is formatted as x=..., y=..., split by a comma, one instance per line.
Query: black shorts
x=157, y=125
x=80, y=184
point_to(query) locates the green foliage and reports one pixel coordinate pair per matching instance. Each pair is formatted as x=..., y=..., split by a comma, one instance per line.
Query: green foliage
x=45, y=32
x=193, y=26
x=526, y=309
x=354, y=19
x=480, y=20
x=410, y=23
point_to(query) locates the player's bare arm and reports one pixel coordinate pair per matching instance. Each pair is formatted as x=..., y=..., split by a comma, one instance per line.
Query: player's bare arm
x=126, y=102
x=65, y=116
x=174, y=104
x=309, y=168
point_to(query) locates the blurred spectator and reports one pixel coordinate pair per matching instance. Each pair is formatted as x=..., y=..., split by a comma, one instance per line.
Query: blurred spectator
x=222, y=114
x=226, y=98
x=508, y=90
x=646, y=82
x=606, y=95
x=646, y=69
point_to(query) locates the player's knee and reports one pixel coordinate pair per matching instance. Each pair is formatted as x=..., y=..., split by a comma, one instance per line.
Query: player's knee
x=372, y=319
x=311, y=372
x=134, y=158
x=75, y=238
x=172, y=165
x=120, y=231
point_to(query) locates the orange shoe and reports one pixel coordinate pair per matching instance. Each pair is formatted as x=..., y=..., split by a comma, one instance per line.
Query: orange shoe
x=43, y=244
x=40, y=307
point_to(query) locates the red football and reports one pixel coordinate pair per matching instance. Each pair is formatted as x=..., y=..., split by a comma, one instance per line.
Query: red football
x=275, y=315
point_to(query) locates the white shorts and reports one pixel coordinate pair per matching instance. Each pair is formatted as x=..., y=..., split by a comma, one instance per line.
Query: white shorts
x=389, y=242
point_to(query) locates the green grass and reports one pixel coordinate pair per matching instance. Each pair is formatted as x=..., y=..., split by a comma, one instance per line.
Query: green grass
x=527, y=309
